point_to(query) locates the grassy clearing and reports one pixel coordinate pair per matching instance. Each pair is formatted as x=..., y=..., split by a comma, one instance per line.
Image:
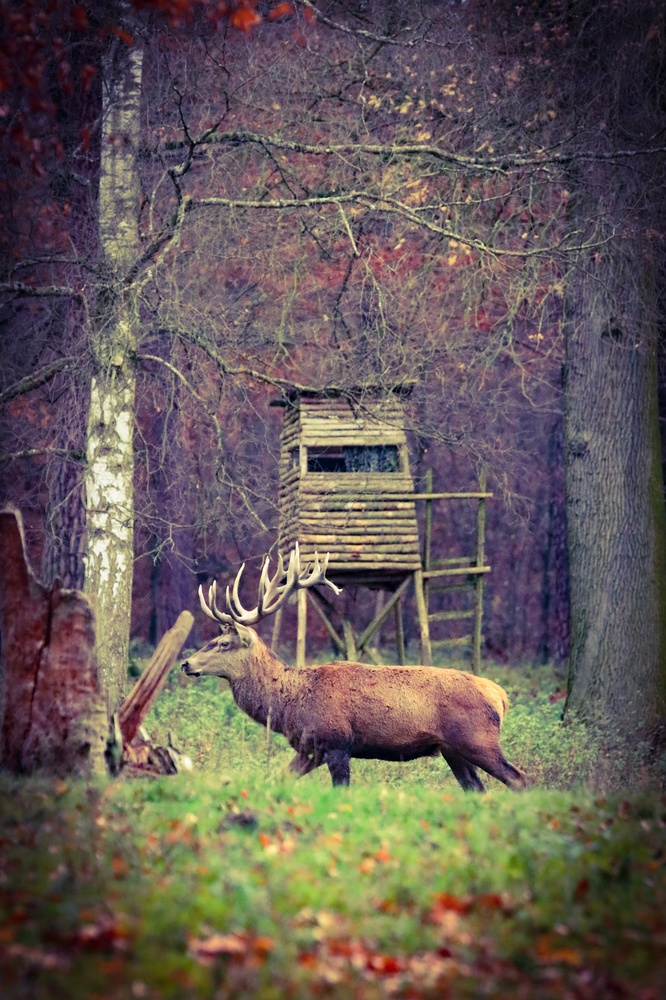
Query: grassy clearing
x=239, y=881
x=203, y=721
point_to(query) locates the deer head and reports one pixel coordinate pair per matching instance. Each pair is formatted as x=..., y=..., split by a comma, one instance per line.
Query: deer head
x=235, y=636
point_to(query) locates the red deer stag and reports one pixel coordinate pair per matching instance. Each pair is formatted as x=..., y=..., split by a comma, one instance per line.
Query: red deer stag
x=336, y=711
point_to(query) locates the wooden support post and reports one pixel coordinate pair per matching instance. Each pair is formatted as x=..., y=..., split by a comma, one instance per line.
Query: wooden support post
x=427, y=539
x=480, y=558
x=275, y=636
x=399, y=632
x=302, y=628
x=368, y=632
x=426, y=650
x=350, y=640
x=316, y=603
x=379, y=604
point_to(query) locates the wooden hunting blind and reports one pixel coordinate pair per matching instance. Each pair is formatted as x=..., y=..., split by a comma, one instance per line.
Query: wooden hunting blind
x=346, y=489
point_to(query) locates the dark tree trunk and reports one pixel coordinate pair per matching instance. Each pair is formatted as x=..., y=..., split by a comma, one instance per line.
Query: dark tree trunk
x=554, y=646
x=615, y=509
x=65, y=536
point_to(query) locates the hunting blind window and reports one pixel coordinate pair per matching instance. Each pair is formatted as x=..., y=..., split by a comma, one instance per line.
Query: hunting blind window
x=353, y=458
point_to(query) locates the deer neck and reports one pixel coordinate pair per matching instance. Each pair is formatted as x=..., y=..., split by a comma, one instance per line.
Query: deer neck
x=260, y=689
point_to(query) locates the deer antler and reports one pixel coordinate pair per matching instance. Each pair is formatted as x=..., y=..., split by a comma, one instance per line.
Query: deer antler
x=272, y=593
x=211, y=609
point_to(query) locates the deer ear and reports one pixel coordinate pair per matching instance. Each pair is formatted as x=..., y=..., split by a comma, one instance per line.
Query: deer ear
x=244, y=634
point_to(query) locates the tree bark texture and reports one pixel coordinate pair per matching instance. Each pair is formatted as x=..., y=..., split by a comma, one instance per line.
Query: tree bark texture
x=64, y=539
x=109, y=450
x=615, y=504
x=51, y=717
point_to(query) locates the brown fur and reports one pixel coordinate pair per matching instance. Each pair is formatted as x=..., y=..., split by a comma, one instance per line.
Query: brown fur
x=340, y=710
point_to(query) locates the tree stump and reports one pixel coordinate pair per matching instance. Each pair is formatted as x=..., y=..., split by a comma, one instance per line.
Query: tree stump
x=51, y=716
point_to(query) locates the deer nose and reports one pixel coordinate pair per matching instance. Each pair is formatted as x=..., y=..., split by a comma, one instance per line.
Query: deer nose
x=185, y=667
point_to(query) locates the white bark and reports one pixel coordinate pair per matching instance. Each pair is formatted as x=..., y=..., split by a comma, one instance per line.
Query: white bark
x=110, y=459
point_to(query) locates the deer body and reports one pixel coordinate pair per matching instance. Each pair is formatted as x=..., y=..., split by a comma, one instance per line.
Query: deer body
x=340, y=710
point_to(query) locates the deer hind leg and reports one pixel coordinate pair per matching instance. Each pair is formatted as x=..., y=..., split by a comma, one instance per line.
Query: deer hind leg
x=464, y=772
x=493, y=761
x=338, y=765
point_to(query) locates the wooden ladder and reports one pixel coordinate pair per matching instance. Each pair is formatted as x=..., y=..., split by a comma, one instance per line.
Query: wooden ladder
x=457, y=573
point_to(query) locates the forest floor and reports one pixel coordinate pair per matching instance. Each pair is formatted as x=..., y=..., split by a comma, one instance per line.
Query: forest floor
x=237, y=881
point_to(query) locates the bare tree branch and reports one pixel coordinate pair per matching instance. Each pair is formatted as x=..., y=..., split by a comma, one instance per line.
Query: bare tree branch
x=39, y=291
x=362, y=32
x=386, y=204
x=160, y=240
x=188, y=385
x=541, y=157
x=10, y=456
x=242, y=371
x=37, y=378
x=494, y=165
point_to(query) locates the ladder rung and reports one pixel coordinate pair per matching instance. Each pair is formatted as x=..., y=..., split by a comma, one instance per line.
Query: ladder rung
x=444, y=588
x=463, y=640
x=449, y=616
x=451, y=496
x=428, y=574
x=453, y=561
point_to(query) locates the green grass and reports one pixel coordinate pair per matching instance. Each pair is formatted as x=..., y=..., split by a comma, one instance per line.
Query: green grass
x=238, y=881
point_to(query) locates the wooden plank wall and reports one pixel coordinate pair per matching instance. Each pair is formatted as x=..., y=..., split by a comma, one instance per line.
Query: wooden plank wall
x=365, y=520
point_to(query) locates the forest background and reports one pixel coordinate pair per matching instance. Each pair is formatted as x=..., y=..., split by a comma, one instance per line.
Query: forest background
x=205, y=205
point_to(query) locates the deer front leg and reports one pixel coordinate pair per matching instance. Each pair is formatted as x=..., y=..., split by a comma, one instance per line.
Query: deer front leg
x=302, y=764
x=338, y=765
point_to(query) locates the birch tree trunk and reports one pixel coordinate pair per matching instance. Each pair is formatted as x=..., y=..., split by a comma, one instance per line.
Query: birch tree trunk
x=615, y=503
x=110, y=459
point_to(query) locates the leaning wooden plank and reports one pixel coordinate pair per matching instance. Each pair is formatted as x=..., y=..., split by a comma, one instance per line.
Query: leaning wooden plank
x=143, y=694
